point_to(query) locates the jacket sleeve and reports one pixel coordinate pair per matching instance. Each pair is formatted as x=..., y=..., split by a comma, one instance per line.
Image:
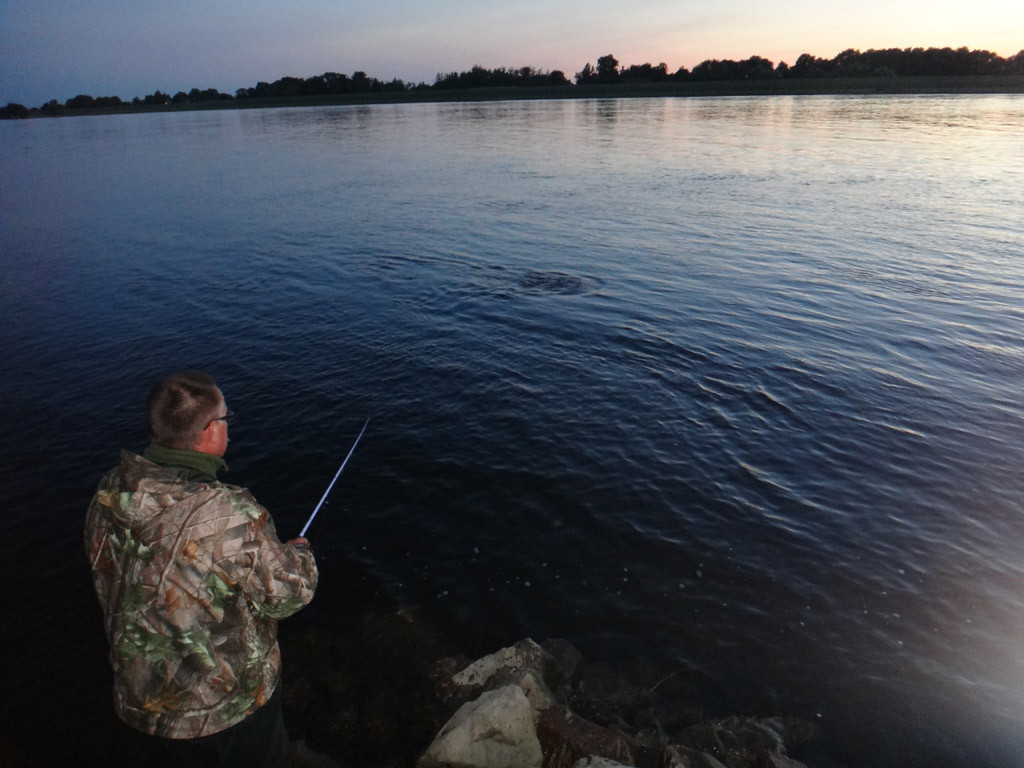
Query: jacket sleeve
x=280, y=578
x=101, y=564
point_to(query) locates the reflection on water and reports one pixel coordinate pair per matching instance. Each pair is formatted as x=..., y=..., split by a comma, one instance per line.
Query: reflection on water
x=727, y=385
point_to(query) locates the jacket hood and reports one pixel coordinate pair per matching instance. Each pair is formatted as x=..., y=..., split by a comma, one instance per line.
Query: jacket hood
x=138, y=490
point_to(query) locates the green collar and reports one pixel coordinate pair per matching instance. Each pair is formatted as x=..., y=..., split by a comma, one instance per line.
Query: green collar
x=204, y=463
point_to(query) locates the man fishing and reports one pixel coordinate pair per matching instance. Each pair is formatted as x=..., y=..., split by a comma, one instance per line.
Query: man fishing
x=192, y=579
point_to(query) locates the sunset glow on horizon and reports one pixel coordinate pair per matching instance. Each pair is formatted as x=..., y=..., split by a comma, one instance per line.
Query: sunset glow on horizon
x=55, y=51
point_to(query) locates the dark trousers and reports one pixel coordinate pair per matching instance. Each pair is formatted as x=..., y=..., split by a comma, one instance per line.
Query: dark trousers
x=259, y=741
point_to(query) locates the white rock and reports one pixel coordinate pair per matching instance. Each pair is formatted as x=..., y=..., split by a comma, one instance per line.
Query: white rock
x=520, y=655
x=677, y=756
x=537, y=693
x=597, y=762
x=494, y=731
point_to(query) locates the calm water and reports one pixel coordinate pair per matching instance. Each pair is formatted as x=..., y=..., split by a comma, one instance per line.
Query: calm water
x=725, y=388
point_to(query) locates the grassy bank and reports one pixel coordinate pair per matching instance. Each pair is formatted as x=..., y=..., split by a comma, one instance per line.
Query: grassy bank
x=972, y=84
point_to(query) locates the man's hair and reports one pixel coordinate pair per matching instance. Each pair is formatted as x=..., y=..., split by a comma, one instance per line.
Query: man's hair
x=179, y=407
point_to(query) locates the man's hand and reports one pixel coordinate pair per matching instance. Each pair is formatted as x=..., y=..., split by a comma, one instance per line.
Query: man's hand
x=302, y=541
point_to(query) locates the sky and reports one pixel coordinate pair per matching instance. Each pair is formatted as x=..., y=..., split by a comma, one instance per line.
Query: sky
x=57, y=49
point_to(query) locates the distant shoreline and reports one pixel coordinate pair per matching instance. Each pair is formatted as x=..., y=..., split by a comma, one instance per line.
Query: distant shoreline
x=824, y=86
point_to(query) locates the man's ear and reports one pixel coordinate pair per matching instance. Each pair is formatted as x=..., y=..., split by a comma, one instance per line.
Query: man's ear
x=205, y=441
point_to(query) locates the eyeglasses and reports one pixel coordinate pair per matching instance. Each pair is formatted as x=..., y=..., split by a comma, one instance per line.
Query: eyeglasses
x=225, y=417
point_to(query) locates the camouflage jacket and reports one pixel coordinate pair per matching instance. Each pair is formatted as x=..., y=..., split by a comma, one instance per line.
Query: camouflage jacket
x=192, y=579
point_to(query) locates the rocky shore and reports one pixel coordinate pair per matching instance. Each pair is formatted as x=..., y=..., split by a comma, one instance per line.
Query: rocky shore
x=388, y=695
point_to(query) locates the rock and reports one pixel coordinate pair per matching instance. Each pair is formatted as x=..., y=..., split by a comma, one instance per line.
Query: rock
x=736, y=741
x=798, y=731
x=684, y=757
x=503, y=664
x=669, y=704
x=775, y=760
x=494, y=731
x=365, y=694
x=604, y=695
x=567, y=738
x=567, y=662
x=525, y=664
x=537, y=693
x=304, y=757
x=597, y=762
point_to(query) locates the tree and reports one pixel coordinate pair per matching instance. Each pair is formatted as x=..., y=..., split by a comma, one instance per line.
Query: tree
x=716, y=69
x=850, y=63
x=809, y=66
x=644, y=73
x=1015, y=64
x=210, y=94
x=586, y=76
x=360, y=82
x=81, y=101
x=607, y=69
x=756, y=68
x=481, y=77
x=334, y=82
x=14, y=111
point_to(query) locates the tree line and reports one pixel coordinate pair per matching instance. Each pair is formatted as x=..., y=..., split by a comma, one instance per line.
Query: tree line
x=327, y=84
x=890, y=62
x=480, y=77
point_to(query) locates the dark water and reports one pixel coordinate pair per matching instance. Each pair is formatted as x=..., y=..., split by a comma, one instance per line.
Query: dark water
x=729, y=388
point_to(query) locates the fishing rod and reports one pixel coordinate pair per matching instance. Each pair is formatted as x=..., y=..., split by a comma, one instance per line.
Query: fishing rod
x=336, y=476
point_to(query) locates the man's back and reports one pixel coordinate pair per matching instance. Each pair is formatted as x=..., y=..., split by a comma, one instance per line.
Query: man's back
x=192, y=577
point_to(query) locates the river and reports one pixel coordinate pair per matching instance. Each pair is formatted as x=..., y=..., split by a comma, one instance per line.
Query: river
x=729, y=387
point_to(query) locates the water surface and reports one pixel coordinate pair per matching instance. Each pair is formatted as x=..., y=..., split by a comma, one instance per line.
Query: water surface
x=727, y=387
